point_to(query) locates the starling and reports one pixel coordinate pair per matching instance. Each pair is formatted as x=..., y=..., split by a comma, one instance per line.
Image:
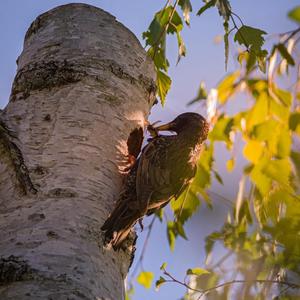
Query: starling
x=165, y=167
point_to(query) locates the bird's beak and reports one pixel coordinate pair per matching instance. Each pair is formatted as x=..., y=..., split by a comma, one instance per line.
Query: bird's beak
x=165, y=127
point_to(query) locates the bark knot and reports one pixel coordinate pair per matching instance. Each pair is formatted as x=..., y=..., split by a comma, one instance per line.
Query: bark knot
x=13, y=269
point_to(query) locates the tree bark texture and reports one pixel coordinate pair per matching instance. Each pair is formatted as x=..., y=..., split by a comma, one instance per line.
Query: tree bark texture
x=83, y=84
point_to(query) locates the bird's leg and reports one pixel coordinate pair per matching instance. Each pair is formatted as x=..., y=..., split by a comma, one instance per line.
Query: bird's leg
x=16, y=157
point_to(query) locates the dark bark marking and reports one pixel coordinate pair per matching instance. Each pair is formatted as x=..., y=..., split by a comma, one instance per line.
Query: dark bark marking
x=47, y=75
x=52, y=235
x=47, y=118
x=17, y=159
x=13, y=269
x=61, y=193
x=36, y=217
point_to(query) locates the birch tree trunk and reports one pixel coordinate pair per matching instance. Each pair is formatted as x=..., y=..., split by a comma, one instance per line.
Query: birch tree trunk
x=83, y=84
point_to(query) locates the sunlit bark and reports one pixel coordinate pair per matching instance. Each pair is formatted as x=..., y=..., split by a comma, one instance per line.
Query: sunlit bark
x=83, y=84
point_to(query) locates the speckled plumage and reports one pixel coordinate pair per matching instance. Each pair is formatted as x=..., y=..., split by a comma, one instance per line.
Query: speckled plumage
x=164, y=168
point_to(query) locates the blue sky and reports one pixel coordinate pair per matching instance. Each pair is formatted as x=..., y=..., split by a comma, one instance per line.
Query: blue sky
x=204, y=61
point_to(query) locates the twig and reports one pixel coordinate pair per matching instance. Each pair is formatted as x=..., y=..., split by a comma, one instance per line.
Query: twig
x=178, y=281
x=140, y=260
x=218, y=263
x=289, y=284
x=236, y=15
x=164, y=29
x=182, y=204
x=228, y=201
x=206, y=291
x=236, y=27
x=291, y=35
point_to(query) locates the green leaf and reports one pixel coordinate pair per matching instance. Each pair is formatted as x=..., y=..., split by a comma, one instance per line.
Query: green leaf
x=259, y=112
x=175, y=24
x=244, y=213
x=159, y=282
x=163, y=82
x=181, y=47
x=284, y=96
x=284, y=144
x=185, y=205
x=160, y=213
x=159, y=57
x=210, y=241
x=201, y=95
x=222, y=129
x=261, y=57
x=294, y=122
x=154, y=33
x=295, y=156
x=202, y=178
x=197, y=271
x=251, y=60
x=129, y=293
x=227, y=86
x=145, y=279
x=279, y=110
x=163, y=266
x=206, y=198
x=180, y=229
x=206, y=159
x=218, y=177
x=152, y=36
x=267, y=132
x=294, y=14
x=171, y=235
x=250, y=37
x=186, y=8
x=230, y=164
x=243, y=57
x=261, y=180
x=285, y=54
x=253, y=150
x=209, y=4
x=278, y=170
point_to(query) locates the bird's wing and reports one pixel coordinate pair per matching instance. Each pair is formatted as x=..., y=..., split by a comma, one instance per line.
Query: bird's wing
x=153, y=174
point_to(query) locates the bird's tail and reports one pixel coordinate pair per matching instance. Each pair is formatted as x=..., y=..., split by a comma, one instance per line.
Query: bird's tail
x=118, y=225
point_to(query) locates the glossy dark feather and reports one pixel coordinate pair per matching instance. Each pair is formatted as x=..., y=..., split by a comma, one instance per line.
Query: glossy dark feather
x=163, y=170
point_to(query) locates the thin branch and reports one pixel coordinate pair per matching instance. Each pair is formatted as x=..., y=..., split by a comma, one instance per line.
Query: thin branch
x=220, y=262
x=140, y=260
x=236, y=27
x=174, y=280
x=206, y=291
x=228, y=201
x=236, y=15
x=289, y=284
x=165, y=28
x=182, y=204
x=291, y=35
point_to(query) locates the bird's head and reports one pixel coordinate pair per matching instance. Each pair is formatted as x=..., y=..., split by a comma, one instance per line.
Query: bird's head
x=187, y=122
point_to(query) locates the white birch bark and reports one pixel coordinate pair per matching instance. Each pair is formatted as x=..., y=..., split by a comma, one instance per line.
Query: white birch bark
x=83, y=84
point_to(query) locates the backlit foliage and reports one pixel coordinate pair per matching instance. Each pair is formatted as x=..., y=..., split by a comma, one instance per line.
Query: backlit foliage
x=261, y=235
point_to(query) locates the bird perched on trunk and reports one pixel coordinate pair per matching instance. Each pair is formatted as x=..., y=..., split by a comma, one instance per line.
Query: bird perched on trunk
x=165, y=167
